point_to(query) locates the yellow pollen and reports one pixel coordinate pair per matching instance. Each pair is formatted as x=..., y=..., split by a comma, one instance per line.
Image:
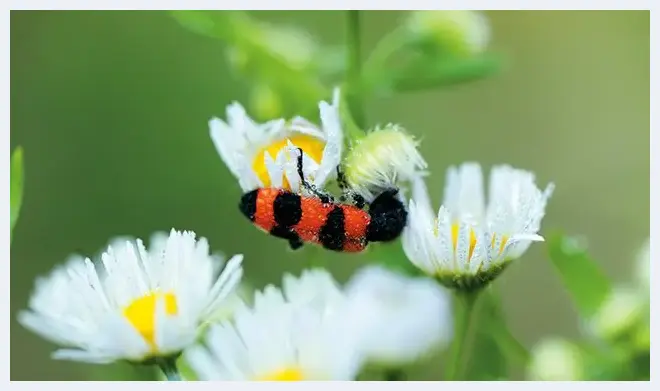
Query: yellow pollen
x=289, y=374
x=505, y=239
x=312, y=146
x=454, y=239
x=141, y=313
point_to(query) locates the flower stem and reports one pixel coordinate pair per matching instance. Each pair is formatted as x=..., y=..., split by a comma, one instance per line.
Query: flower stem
x=354, y=66
x=169, y=368
x=460, y=349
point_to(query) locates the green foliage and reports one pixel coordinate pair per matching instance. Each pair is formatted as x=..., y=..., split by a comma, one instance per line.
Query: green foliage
x=585, y=281
x=273, y=55
x=16, y=187
x=301, y=69
x=440, y=73
x=495, y=350
x=122, y=371
x=624, y=356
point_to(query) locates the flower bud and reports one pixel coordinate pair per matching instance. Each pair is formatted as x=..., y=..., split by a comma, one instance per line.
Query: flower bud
x=380, y=159
x=460, y=33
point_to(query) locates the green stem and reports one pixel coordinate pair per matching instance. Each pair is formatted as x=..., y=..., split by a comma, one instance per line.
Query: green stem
x=386, y=48
x=376, y=72
x=354, y=78
x=460, y=349
x=169, y=368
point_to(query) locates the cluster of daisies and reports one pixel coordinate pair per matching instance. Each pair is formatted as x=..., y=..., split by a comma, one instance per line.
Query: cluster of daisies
x=152, y=304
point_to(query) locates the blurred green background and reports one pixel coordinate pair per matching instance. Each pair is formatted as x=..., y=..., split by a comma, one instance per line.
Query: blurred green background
x=112, y=110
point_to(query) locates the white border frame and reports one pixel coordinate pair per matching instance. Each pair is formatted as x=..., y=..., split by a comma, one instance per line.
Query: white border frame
x=334, y=5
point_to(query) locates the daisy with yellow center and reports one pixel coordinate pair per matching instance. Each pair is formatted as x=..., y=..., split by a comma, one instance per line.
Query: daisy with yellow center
x=295, y=334
x=470, y=241
x=260, y=155
x=136, y=304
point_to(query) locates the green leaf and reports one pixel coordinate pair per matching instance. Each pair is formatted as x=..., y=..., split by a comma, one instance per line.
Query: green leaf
x=427, y=73
x=494, y=349
x=487, y=360
x=16, y=186
x=515, y=352
x=582, y=276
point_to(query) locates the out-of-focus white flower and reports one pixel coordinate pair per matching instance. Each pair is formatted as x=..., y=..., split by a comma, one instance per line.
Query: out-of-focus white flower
x=453, y=31
x=380, y=159
x=300, y=333
x=265, y=155
x=555, y=359
x=401, y=318
x=624, y=309
x=137, y=305
x=470, y=241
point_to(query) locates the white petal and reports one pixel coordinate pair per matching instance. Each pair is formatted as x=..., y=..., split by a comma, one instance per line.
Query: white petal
x=274, y=169
x=464, y=192
x=229, y=144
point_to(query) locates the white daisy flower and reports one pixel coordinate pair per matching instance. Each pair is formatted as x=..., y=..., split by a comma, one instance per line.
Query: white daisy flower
x=158, y=244
x=136, y=304
x=381, y=159
x=260, y=155
x=296, y=334
x=401, y=318
x=470, y=242
x=458, y=32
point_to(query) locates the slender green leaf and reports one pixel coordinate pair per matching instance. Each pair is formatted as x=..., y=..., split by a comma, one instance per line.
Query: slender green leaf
x=16, y=186
x=515, y=352
x=486, y=361
x=427, y=74
x=582, y=276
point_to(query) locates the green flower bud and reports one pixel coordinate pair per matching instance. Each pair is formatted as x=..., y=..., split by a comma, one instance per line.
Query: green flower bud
x=460, y=33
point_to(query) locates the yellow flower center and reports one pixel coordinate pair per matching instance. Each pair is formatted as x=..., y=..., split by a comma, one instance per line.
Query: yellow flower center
x=141, y=313
x=288, y=374
x=312, y=146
